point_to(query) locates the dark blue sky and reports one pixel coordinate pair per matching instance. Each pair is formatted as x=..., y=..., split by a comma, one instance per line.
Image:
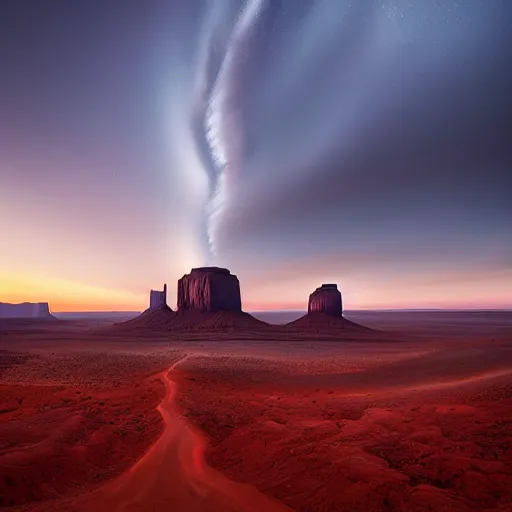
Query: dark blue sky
x=294, y=141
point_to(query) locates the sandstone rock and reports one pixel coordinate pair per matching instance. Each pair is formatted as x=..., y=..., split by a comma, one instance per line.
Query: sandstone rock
x=209, y=289
x=326, y=299
x=158, y=299
x=325, y=316
x=37, y=310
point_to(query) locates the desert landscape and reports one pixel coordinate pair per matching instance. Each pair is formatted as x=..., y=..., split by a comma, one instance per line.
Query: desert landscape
x=413, y=413
x=256, y=256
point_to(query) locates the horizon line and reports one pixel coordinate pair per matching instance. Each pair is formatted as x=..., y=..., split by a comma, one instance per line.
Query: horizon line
x=507, y=309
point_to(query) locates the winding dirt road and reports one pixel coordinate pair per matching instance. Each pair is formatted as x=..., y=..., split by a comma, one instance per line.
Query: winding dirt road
x=173, y=476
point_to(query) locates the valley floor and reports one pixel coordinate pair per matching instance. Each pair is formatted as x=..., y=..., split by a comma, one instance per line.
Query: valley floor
x=420, y=424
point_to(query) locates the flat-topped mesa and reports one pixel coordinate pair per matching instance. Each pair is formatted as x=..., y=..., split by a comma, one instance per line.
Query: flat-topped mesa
x=158, y=299
x=209, y=289
x=36, y=310
x=326, y=299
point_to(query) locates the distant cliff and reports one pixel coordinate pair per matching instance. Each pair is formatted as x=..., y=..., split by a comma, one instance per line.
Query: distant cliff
x=209, y=289
x=36, y=310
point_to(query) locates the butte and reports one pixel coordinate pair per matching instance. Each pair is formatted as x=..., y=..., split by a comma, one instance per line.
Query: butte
x=325, y=312
x=157, y=316
x=208, y=298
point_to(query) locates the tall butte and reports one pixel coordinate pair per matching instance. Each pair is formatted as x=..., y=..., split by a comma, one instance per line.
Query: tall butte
x=209, y=289
x=209, y=298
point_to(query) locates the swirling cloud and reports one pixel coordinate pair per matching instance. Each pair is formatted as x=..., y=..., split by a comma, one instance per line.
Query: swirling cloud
x=347, y=109
x=220, y=91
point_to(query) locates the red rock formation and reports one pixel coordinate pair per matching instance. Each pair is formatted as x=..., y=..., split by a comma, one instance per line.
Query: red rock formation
x=208, y=300
x=209, y=289
x=157, y=298
x=326, y=299
x=325, y=314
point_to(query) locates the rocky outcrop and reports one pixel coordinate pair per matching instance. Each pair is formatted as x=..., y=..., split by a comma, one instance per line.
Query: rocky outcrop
x=324, y=316
x=208, y=300
x=326, y=299
x=209, y=289
x=158, y=299
x=36, y=310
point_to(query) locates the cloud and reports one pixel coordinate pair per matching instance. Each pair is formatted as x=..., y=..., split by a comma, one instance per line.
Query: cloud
x=220, y=86
x=353, y=123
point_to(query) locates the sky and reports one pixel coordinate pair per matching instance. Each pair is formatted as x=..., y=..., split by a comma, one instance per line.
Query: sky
x=295, y=142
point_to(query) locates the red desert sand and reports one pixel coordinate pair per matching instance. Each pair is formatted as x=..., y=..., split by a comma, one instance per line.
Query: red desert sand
x=99, y=419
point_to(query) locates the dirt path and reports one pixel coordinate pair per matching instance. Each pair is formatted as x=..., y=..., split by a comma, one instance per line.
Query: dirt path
x=173, y=475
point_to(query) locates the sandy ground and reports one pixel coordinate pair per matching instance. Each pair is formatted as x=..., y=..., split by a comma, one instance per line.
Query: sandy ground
x=98, y=422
